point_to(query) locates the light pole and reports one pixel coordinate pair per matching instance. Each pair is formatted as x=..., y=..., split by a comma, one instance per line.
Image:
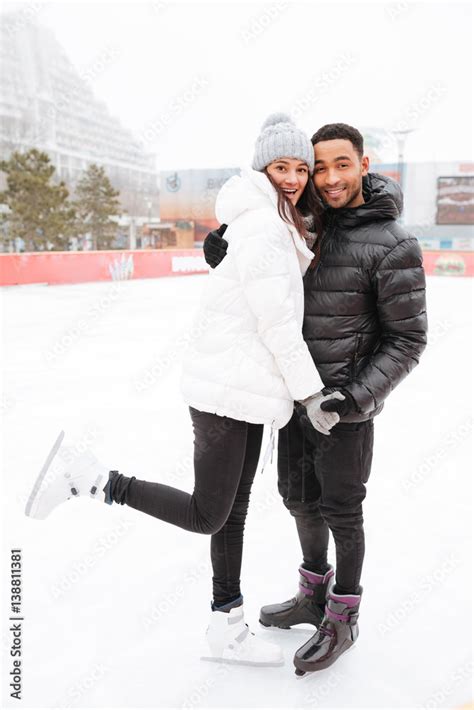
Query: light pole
x=401, y=136
x=151, y=237
x=132, y=234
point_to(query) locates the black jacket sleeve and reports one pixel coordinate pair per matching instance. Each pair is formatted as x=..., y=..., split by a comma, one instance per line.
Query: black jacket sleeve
x=399, y=284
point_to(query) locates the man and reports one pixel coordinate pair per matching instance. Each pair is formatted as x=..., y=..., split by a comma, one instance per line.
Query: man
x=365, y=325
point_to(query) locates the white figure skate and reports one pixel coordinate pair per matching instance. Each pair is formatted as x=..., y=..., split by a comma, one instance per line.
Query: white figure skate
x=66, y=473
x=230, y=641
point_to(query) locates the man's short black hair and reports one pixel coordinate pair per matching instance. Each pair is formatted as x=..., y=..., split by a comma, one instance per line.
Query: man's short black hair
x=332, y=131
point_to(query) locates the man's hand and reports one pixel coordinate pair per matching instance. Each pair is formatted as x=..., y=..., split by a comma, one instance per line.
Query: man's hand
x=321, y=420
x=340, y=403
x=215, y=247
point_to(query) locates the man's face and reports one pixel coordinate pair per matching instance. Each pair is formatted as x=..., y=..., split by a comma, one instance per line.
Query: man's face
x=338, y=173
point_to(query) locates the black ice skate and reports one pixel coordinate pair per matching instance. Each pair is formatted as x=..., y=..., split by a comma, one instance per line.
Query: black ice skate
x=337, y=633
x=307, y=607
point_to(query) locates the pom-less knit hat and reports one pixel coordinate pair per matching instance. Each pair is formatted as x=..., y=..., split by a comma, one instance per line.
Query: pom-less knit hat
x=280, y=138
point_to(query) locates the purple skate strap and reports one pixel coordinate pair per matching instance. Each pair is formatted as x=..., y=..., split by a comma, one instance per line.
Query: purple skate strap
x=349, y=600
x=314, y=577
x=336, y=617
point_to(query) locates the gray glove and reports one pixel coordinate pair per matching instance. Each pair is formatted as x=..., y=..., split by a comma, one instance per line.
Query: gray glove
x=321, y=420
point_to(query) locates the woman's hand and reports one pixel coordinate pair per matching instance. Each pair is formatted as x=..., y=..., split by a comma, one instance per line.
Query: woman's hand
x=323, y=421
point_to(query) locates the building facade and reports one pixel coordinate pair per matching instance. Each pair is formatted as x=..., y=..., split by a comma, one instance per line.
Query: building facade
x=46, y=103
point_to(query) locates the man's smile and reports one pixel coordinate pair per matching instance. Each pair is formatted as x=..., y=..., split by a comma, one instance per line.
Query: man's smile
x=334, y=191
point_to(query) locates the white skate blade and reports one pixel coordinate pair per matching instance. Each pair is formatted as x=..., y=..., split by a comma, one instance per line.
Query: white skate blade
x=236, y=662
x=34, y=493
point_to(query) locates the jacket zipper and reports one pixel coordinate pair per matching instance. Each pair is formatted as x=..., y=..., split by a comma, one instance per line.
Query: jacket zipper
x=324, y=238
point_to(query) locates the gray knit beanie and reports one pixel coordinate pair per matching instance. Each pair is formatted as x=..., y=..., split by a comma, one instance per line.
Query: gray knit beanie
x=280, y=138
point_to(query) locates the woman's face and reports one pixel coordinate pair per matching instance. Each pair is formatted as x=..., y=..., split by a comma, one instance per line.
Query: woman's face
x=291, y=175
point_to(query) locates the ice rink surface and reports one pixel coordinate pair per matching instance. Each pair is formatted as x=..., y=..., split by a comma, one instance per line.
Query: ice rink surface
x=116, y=603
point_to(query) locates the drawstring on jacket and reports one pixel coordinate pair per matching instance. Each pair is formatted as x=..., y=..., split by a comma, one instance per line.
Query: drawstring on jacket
x=269, y=450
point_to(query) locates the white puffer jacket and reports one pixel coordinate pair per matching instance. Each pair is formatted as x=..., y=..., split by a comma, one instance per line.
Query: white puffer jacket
x=247, y=358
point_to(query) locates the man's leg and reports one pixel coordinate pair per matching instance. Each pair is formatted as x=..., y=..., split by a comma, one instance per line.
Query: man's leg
x=301, y=493
x=342, y=466
x=342, y=471
x=300, y=490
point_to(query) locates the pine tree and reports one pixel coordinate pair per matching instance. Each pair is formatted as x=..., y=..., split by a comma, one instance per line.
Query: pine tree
x=96, y=202
x=39, y=210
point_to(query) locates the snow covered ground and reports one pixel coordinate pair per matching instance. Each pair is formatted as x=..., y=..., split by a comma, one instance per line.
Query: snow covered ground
x=116, y=602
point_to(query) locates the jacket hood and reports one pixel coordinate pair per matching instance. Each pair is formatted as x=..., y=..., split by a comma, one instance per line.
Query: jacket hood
x=249, y=190
x=253, y=190
x=383, y=201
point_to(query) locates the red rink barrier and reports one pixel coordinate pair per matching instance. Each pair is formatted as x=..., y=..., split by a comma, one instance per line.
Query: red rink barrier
x=68, y=267
x=448, y=263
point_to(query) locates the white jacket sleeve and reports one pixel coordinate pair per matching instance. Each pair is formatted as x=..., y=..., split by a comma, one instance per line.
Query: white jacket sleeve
x=263, y=264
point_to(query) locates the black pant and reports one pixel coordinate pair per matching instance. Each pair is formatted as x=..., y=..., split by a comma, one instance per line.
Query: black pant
x=226, y=453
x=322, y=482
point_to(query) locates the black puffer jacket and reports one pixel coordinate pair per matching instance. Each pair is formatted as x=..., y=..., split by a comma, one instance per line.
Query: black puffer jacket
x=365, y=312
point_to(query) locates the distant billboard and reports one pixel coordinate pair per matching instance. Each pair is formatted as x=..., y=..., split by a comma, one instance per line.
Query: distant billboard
x=190, y=195
x=455, y=200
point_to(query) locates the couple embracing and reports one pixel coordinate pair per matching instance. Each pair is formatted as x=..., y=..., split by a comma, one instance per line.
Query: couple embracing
x=314, y=311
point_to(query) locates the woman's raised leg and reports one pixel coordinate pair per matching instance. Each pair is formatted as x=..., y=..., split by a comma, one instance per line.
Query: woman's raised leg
x=219, y=453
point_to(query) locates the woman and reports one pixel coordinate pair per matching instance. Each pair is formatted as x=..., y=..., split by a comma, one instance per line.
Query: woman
x=246, y=366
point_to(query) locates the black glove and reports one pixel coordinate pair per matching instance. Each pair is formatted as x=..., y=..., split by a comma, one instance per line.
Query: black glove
x=343, y=407
x=215, y=247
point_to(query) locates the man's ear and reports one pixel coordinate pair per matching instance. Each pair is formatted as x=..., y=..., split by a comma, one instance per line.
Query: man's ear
x=364, y=161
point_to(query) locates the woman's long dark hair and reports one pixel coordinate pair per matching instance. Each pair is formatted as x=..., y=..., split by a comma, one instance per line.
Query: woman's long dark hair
x=309, y=204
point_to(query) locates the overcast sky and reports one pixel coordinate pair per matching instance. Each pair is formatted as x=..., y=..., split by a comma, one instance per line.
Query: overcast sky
x=194, y=81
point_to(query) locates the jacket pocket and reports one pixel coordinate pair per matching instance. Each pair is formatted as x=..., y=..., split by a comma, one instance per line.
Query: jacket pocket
x=355, y=356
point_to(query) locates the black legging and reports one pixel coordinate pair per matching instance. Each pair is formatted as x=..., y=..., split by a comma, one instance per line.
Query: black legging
x=226, y=453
